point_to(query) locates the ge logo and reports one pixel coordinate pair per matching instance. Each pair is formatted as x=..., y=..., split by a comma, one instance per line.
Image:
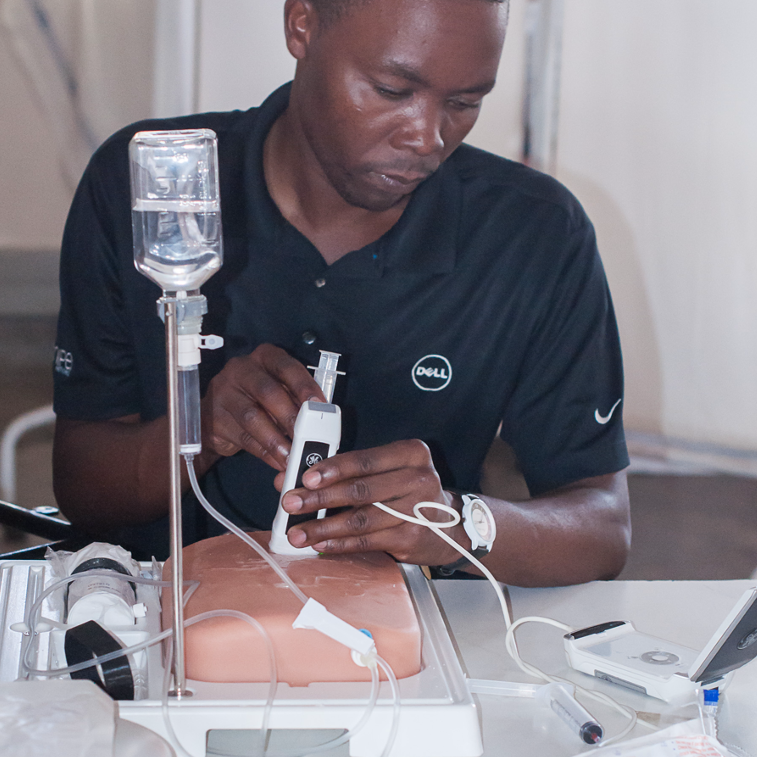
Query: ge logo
x=312, y=459
x=748, y=640
x=432, y=373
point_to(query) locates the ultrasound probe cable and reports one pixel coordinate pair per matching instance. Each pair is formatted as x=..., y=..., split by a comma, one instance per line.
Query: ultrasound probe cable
x=510, y=625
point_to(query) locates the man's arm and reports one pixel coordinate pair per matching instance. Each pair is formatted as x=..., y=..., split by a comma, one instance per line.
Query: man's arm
x=114, y=473
x=577, y=533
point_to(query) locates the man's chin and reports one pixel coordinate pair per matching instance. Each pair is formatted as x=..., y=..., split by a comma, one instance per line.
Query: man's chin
x=374, y=200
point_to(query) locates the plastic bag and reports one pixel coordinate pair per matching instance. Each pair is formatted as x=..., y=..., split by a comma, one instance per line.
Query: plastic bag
x=685, y=738
x=61, y=718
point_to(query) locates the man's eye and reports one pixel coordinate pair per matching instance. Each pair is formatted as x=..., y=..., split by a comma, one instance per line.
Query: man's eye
x=391, y=94
x=465, y=104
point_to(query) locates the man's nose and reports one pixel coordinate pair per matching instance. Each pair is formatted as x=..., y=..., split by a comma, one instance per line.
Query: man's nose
x=422, y=130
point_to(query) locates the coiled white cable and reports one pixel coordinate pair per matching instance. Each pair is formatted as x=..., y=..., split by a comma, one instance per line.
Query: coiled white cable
x=510, y=643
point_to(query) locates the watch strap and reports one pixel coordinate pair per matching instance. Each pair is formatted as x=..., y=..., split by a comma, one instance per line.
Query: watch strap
x=477, y=551
x=462, y=561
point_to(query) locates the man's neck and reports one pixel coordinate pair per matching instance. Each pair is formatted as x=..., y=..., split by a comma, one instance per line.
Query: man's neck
x=306, y=198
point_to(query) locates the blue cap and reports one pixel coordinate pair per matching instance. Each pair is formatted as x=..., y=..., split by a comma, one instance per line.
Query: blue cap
x=711, y=696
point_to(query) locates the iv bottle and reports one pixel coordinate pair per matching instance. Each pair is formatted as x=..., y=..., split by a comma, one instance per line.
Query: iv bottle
x=176, y=210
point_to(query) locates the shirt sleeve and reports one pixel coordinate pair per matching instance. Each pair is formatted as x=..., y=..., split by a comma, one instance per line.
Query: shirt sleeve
x=95, y=376
x=564, y=419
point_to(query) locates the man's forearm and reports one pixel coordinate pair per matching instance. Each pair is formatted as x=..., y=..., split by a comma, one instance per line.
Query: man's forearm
x=109, y=474
x=579, y=533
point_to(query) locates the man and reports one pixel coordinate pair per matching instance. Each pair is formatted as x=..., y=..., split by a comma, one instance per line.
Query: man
x=463, y=290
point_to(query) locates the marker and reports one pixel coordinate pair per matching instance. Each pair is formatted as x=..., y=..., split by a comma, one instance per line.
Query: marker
x=564, y=704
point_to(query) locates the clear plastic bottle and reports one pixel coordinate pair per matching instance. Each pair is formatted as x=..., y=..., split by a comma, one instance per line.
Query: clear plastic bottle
x=176, y=211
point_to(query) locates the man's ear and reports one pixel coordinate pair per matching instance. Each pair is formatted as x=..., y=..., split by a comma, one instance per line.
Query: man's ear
x=300, y=24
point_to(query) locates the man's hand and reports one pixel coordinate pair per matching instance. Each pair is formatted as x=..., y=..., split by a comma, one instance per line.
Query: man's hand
x=580, y=532
x=253, y=402
x=400, y=475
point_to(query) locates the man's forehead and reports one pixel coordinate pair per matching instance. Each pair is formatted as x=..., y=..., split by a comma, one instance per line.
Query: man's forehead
x=331, y=10
x=405, y=37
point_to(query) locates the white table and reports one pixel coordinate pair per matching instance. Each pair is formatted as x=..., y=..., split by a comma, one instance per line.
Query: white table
x=687, y=612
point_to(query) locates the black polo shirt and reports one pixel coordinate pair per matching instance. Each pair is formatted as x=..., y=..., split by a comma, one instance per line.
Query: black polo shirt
x=486, y=304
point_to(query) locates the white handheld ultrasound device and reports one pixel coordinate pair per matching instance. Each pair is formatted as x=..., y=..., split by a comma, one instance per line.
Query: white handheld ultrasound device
x=618, y=653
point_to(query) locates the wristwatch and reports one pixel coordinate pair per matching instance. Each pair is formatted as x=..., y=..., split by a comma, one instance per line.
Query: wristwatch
x=481, y=529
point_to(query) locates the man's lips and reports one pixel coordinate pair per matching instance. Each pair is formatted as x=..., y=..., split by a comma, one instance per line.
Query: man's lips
x=405, y=178
x=396, y=179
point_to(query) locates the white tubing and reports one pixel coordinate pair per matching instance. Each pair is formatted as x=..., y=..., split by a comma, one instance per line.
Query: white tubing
x=273, y=674
x=34, y=616
x=246, y=538
x=395, y=705
x=374, y=661
x=345, y=737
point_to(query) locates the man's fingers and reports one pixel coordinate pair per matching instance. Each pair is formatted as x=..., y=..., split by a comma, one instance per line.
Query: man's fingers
x=236, y=420
x=378, y=541
x=361, y=464
x=361, y=529
x=252, y=404
x=399, y=539
x=290, y=373
x=354, y=492
x=244, y=387
x=278, y=481
x=400, y=475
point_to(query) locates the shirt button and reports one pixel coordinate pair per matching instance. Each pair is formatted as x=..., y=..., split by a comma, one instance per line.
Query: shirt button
x=308, y=337
x=320, y=283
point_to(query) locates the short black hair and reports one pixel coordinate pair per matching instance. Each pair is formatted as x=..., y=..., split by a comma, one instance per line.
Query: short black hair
x=332, y=10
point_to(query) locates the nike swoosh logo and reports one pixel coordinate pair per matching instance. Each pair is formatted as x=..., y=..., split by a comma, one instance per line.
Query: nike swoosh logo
x=602, y=419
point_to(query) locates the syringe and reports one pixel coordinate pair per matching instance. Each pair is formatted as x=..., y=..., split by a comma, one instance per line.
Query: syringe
x=560, y=698
x=317, y=433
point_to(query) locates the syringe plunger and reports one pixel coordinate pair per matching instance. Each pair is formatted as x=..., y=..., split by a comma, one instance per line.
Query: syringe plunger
x=326, y=373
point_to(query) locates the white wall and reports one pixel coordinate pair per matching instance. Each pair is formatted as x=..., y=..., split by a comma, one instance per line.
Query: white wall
x=108, y=46
x=34, y=197
x=659, y=140
x=243, y=56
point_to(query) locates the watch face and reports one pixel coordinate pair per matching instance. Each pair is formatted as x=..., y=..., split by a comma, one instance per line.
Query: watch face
x=482, y=522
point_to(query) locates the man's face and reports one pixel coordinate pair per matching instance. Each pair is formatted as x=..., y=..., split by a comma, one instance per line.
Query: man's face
x=385, y=94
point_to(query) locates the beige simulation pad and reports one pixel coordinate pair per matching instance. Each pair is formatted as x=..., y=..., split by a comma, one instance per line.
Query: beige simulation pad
x=368, y=591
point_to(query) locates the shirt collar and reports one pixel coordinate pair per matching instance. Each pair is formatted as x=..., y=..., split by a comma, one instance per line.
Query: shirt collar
x=424, y=240
x=264, y=217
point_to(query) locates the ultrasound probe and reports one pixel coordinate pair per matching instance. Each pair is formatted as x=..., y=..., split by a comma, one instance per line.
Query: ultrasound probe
x=317, y=433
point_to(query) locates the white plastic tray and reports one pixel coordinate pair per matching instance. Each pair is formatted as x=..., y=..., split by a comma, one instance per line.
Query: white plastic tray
x=438, y=716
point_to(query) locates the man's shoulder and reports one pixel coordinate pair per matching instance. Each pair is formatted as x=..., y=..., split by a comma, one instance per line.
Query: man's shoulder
x=226, y=124
x=496, y=181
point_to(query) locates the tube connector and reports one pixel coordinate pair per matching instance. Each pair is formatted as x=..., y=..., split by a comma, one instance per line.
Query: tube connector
x=316, y=617
x=191, y=344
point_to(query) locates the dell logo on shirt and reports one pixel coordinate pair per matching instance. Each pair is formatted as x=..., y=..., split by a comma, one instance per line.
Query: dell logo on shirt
x=432, y=373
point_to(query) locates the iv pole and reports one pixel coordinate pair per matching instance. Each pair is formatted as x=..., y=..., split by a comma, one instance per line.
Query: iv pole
x=174, y=514
x=176, y=224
